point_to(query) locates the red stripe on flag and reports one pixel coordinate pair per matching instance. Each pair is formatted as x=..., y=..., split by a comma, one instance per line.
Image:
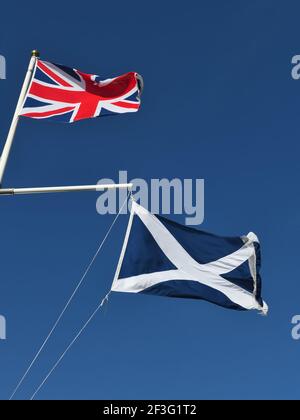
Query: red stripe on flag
x=48, y=113
x=51, y=74
x=128, y=105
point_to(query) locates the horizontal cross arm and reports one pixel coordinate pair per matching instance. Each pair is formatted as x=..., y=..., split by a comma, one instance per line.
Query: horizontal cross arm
x=76, y=188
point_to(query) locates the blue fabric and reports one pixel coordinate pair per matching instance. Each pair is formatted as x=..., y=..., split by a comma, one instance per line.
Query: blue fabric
x=143, y=255
x=191, y=290
x=31, y=103
x=202, y=246
x=41, y=76
x=69, y=71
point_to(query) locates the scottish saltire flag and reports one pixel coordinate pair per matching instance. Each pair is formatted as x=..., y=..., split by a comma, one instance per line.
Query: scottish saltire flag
x=70, y=95
x=160, y=257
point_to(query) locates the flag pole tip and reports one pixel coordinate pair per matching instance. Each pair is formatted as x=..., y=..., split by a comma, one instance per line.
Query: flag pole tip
x=35, y=53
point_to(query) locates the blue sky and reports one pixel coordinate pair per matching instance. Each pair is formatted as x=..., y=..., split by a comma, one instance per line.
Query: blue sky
x=219, y=104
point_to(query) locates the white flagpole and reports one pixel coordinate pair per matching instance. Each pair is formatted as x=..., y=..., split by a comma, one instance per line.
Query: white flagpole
x=15, y=120
x=45, y=190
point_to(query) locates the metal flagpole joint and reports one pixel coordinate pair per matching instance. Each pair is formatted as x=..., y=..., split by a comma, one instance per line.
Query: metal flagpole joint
x=76, y=188
x=12, y=131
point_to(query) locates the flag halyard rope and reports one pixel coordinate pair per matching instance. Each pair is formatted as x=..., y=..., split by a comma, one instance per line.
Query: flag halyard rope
x=55, y=325
x=59, y=360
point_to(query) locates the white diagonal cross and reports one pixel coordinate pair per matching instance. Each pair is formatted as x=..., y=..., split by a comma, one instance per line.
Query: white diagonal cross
x=189, y=269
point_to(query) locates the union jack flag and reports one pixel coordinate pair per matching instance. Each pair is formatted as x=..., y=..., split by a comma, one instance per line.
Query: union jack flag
x=70, y=95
